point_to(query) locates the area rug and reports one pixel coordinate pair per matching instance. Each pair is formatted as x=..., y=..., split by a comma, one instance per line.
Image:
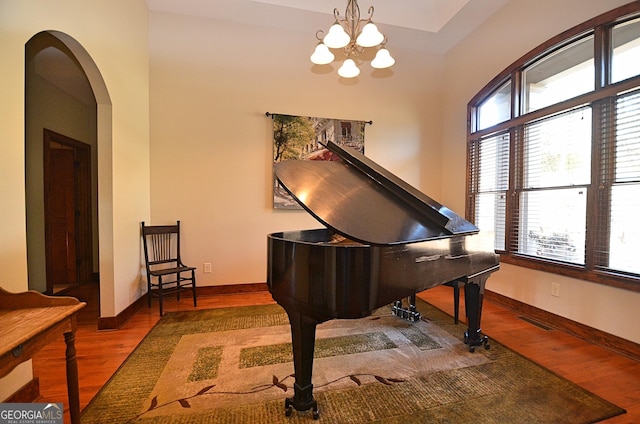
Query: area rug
x=235, y=365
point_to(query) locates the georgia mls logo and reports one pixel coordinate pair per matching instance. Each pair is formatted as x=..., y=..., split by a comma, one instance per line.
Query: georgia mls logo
x=54, y=407
x=31, y=413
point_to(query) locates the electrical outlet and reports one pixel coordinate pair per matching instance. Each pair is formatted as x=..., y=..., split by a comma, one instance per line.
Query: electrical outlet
x=555, y=289
x=207, y=267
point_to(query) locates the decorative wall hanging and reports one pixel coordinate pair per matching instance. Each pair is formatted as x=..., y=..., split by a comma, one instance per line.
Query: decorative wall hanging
x=301, y=138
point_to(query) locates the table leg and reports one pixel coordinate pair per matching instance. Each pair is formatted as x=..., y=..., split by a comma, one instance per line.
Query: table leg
x=72, y=378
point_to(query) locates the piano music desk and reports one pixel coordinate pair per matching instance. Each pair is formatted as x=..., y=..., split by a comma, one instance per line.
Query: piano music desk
x=28, y=322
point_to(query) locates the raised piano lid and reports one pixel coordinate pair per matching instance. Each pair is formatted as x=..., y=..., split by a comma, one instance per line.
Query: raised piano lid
x=364, y=202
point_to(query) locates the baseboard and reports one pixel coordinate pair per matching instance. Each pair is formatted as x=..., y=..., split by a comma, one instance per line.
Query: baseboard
x=232, y=289
x=28, y=393
x=113, y=323
x=601, y=338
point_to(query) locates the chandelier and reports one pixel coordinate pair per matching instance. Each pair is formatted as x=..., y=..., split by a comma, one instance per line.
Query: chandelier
x=353, y=35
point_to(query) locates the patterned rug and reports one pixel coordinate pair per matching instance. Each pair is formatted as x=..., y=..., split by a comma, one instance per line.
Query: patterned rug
x=235, y=365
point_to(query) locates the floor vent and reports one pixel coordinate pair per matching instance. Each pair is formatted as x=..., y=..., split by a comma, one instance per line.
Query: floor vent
x=536, y=323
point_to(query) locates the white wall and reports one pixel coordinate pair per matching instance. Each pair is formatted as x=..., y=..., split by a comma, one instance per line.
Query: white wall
x=211, y=145
x=515, y=30
x=114, y=33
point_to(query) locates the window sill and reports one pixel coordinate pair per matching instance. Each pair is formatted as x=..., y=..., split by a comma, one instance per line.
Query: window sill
x=575, y=271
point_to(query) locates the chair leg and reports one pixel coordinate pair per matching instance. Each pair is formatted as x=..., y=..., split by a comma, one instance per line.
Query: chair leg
x=193, y=287
x=178, y=281
x=160, y=294
x=149, y=290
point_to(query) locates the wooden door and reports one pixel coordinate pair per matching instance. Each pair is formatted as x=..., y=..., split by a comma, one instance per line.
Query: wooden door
x=61, y=217
x=67, y=195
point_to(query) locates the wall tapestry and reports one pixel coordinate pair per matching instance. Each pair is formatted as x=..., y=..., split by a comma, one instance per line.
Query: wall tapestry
x=300, y=138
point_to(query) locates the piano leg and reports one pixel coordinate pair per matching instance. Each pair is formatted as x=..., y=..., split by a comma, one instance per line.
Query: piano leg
x=473, y=296
x=303, y=337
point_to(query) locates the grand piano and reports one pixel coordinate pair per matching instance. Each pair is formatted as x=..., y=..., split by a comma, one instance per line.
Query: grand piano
x=383, y=241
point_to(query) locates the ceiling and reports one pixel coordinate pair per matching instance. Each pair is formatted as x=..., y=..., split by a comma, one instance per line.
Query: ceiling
x=433, y=26
x=58, y=69
x=427, y=25
x=423, y=15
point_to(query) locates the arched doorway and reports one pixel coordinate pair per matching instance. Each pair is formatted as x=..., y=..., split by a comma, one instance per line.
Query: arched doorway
x=67, y=136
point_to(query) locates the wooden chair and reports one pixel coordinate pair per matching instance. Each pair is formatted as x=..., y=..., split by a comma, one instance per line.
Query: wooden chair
x=166, y=273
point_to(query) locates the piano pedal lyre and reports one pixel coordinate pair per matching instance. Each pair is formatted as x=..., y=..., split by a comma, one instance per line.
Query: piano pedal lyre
x=410, y=314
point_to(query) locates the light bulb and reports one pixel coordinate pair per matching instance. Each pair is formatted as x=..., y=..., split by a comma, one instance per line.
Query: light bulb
x=322, y=55
x=349, y=69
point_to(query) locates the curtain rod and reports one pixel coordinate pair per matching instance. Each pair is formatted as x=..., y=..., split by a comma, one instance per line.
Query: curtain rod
x=268, y=114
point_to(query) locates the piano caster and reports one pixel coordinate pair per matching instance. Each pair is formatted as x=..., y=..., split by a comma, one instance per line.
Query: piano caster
x=478, y=340
x=288, y=409
x=315, y=412
x=302, y=401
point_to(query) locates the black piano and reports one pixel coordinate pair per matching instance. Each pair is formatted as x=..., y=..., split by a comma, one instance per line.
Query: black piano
x=384, y=241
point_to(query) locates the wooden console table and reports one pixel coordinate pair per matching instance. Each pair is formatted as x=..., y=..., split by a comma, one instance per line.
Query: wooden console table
x=28, y=322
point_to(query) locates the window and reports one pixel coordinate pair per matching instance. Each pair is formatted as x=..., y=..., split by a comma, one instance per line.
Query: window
x=491, y=172
x=555, y=177
x=496, y=109
x=620, y=188
x=553, y=198
x=626, y=50
x=560, y=75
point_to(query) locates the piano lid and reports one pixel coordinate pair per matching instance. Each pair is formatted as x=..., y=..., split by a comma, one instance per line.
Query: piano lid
x=364, y=202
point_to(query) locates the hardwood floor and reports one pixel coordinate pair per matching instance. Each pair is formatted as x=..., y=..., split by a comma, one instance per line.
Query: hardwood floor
x=100, y=353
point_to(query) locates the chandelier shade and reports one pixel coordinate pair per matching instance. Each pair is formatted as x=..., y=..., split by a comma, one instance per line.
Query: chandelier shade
x=383, y=59
x=322, y=55
x=353, y=35
x=370, y=36
x=348, y=69
x=337, y=37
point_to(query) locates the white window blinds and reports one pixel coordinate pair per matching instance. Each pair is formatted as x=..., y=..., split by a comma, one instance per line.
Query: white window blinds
x=619, y=188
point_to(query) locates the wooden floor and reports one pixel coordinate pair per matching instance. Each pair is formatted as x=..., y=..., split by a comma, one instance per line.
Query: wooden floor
x=100, y=353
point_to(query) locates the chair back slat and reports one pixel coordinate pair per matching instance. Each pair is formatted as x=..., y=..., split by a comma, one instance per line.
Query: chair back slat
x=161, y=248
x=161, y=245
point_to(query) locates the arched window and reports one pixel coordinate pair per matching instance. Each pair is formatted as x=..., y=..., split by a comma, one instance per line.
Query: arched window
x=554, y=154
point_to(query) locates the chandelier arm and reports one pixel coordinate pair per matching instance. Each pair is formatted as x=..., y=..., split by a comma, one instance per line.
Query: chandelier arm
x=319, y=35
x=370, y=12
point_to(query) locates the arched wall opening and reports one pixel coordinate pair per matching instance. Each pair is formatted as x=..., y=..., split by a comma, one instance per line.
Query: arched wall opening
x=66, y=100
